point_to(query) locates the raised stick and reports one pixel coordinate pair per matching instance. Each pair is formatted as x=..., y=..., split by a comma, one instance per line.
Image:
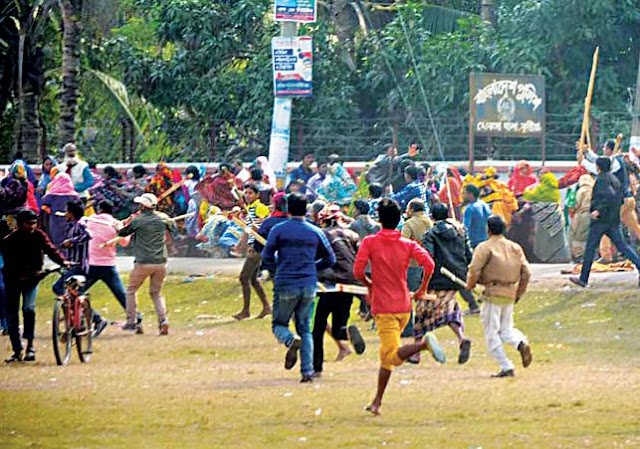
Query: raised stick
x=587, y=102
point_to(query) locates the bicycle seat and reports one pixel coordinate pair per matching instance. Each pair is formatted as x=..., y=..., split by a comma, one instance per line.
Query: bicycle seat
x=76, y=282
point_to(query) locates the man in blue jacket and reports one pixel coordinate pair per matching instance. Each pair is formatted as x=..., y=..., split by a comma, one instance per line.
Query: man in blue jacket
x=299, y=250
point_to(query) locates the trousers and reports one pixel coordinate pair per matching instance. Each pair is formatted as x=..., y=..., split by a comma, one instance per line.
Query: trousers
x=497, y=322
x=156, y=274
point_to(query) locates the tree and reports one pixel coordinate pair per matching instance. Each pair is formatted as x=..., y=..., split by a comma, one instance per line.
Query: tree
x=71, y=11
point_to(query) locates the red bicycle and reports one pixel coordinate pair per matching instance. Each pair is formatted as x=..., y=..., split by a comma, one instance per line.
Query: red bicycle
x=72, y=321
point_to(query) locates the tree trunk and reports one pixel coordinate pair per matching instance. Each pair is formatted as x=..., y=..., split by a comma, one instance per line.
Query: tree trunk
x=71, y=10
x=133, y=143
x=213, y=141
x=29, y=135
x=488, y=11
x=124, y=135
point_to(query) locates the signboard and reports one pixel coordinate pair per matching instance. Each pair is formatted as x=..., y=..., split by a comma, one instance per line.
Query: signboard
x=292, y=66
x=302, y=11
x=507, y=105
x=280, y=135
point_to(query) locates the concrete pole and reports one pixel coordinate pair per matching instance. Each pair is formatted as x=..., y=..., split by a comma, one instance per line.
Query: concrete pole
x=281, y=124
x=635, y=123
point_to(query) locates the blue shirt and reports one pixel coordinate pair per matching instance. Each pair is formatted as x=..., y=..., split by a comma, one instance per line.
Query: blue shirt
x=301, y=173
x=265, y=229
x=302, y=250
x=415, y=189
x=476, y=215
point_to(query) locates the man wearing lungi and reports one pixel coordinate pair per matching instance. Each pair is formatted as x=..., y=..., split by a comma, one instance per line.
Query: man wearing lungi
x=448, y=244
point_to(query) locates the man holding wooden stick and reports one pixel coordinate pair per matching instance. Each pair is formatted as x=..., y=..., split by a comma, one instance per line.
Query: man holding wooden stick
x=150, y=251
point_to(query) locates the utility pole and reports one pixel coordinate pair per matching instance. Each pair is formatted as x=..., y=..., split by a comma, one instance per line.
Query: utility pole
x=281, y=123
x=287, y=60
x=635, y=123
x=488, y=11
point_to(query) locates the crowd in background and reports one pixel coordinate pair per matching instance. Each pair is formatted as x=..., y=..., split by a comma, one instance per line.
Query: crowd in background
x=550, y=226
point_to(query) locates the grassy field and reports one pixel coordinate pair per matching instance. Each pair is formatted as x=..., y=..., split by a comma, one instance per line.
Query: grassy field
x=217, y=383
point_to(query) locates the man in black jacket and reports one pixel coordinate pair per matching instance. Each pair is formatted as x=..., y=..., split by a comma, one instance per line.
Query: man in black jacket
x=344, y=243
x=449, y=245
x=23, y=251
x=606, y=202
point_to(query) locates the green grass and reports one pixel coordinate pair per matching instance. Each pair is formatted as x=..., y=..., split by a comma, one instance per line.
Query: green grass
x=217, y=383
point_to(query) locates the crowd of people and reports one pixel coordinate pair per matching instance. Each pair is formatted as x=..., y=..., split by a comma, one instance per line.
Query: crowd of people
x=404, y=228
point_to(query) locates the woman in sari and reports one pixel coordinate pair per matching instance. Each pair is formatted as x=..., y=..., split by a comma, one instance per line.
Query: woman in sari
x=550, y=245
x=160, y=183
x=17, y=191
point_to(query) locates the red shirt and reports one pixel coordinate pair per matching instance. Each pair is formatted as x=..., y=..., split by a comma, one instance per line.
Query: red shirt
x=389, y=254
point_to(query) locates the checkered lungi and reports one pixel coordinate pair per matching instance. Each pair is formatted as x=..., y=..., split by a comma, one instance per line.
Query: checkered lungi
x=431, y=315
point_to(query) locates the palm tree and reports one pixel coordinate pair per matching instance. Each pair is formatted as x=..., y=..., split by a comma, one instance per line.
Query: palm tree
x=71, y=10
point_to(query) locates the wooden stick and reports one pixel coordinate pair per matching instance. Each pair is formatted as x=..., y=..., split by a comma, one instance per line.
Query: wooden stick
x=248, y=229
x=587, y=102
x=451, y=276
x=115, y=240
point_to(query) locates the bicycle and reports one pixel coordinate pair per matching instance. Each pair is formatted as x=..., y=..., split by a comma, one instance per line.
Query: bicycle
x=72, y=320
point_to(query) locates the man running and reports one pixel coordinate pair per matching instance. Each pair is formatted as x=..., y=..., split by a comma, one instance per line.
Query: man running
x=390, y=254
x=150, y=252
x=606, y=202
x=344, y=243
x=502, y=268
x=256, y=213
x=299, y=250
x=102, y=257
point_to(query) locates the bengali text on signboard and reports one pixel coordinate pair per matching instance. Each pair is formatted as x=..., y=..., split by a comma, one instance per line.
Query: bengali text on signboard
x=507, y=105
x=302, y=11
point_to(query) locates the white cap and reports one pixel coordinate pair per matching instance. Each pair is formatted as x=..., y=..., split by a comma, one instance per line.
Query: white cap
x=148, y=200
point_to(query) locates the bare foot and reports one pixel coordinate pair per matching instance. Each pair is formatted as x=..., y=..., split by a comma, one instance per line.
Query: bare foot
x=241, y=316
x=374, y=408
x=344, y=352
x=265, y=313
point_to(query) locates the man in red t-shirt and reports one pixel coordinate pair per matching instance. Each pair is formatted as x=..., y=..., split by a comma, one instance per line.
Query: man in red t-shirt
x=389, y=254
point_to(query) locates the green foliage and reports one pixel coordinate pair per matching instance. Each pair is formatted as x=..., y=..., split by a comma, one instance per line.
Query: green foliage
x=199, y=82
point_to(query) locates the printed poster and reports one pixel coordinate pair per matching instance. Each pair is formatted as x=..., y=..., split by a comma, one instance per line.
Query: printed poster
x=301, y=11
x=292, y=66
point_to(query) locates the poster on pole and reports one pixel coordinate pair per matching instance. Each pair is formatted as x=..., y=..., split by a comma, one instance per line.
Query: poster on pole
x=507, y=105
x=280, y=138
x=292, y=66
x=301, y=11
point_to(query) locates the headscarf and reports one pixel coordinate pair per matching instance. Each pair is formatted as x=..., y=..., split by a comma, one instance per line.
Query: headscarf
x=18, y=170
x=263, y=163
x=61, y=184
x=545, y=192
x=279, y=204
x=522, y=178
x=53, y=160
x=162, y=180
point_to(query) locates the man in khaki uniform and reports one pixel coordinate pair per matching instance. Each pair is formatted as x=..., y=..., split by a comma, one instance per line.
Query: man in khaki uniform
x=502, y=268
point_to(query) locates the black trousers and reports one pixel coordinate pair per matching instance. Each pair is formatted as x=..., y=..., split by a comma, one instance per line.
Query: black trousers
x=339, y=306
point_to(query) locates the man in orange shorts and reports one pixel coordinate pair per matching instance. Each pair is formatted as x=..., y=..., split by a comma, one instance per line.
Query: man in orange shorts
x=389, y=254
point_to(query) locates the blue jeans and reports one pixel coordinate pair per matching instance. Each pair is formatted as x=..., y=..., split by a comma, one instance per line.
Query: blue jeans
x=3, y=301
x=614, y=232
x=296, y=302
x=414, y=281
x=29, y=292
x=108, y=275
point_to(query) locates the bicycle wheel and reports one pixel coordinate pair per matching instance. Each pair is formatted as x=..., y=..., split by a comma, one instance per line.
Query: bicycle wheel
x=61, y=334
x=84, y=334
